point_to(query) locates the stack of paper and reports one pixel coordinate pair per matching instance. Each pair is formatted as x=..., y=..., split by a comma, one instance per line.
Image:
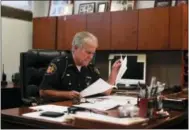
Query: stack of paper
x=102, y=105
x=107, y=102
x=54, y=108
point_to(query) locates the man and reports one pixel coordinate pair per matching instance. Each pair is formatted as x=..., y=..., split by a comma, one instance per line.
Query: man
x=66, y=76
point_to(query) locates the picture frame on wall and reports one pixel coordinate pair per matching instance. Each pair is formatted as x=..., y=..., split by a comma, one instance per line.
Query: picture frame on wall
x=180, y=2
x=162, y=3
x=60, y=8
x=102, y=7
x=86, y=8
x=119, y=5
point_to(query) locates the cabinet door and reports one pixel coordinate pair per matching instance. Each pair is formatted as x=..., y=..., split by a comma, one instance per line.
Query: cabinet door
x=68, y=26
x=124, y=30
x=99, y=25
x=185, y=26
x=153, y=29
x=175, y=27
x=44, y=33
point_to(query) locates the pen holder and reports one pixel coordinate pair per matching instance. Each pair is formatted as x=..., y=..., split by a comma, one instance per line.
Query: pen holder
x=147, y=106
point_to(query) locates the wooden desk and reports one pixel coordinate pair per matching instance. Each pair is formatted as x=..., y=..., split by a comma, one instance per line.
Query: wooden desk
x=12, y=118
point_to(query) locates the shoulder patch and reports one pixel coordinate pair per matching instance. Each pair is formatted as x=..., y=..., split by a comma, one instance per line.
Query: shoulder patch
x=52, y=68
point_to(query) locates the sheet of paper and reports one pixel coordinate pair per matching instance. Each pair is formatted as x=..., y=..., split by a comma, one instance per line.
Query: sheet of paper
x=37, y=116
x=122, y=100
x=54, y=108
x=101, y=105
x=107, y=102
x=97, y=87
x=122, y=69
x=105, y=118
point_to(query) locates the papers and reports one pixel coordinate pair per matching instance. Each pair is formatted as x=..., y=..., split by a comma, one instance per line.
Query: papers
x=102, y=105
x=122, y=100
x=42, y=108
x=109, y=119
x=54, y=108
x=97, y=87
x=107, y=102
x=122, y=69
x=37, y=116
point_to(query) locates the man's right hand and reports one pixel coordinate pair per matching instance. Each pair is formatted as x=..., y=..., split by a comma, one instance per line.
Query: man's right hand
x=73, y=94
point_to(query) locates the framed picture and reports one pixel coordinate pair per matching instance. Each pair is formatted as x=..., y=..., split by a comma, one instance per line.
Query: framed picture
x=118, y=5
x=59, y=8
x=162, y=3
x=102, y=7
x=86, y=8
x=179, y=2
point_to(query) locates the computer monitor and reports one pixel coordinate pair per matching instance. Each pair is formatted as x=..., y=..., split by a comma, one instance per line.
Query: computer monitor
x=136, y=68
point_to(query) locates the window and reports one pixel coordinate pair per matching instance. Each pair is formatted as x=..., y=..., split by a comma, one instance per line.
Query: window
x=25, y=5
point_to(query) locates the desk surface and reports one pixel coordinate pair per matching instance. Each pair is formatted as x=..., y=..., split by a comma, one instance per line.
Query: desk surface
x=14, y=117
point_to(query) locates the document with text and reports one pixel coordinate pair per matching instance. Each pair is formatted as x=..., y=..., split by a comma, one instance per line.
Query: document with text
x=97, y=87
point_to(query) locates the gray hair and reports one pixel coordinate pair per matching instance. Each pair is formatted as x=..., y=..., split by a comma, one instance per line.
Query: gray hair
x=81, y=38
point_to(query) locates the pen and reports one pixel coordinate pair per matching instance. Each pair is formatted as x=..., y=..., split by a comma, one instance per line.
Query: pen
x=146, y=94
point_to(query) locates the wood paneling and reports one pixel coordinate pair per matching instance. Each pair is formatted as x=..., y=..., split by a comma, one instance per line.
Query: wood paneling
x=175, y=28
x=153, y=33
x=185, y=26
x=68, y=26
x=124, y=30
x=44, y=33
x=99, y=25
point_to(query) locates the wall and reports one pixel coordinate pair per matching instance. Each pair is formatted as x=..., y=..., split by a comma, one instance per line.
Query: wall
x=16, y=38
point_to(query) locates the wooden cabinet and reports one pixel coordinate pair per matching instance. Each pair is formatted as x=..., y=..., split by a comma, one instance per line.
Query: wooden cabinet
x=175, y=28
x=160, y=28
x=153, y=29
x=68, y=26
x=178, y=27
x=124, y=30
x=44, y=33
x=99, y=25
x=185, y=26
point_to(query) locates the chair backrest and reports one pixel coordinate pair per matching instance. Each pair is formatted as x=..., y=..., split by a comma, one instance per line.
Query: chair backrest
x=33, y=65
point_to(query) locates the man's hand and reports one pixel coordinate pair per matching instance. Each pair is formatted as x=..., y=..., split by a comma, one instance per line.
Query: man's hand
x=115, y=69
x=73, y=94
x=116, y=66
